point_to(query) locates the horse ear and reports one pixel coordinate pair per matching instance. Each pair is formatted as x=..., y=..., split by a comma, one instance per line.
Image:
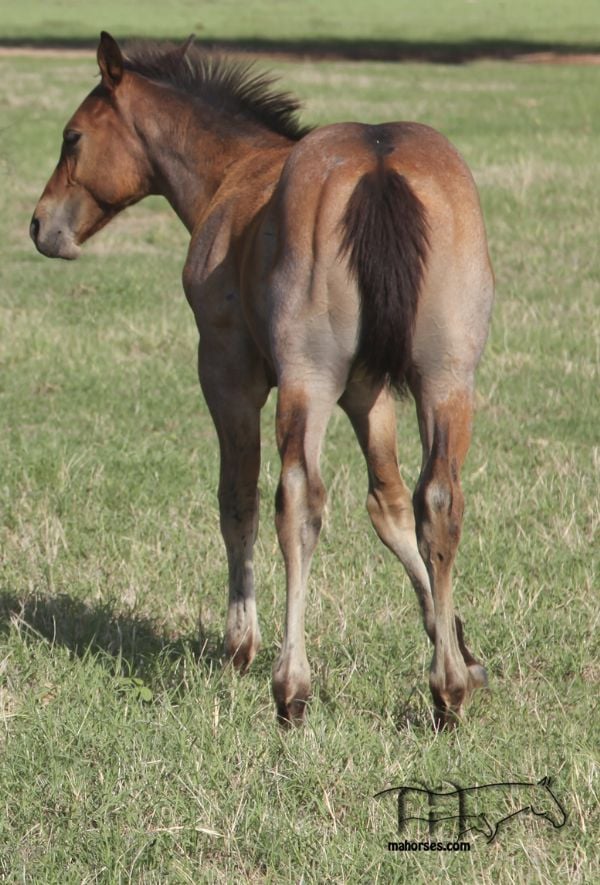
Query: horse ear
x=180, y=52
x=183, y=49
x=110, y=61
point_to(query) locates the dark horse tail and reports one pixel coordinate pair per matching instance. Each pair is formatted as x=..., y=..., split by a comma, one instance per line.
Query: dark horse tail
x=385, y=238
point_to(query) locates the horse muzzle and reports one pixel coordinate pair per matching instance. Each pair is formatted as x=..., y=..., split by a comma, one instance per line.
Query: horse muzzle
x=52, y=241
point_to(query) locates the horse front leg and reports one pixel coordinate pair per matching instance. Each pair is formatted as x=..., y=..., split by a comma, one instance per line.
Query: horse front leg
x=235, y=395
x=302, y=416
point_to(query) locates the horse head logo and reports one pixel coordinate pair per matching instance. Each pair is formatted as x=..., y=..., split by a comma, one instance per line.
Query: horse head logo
x=545, y=804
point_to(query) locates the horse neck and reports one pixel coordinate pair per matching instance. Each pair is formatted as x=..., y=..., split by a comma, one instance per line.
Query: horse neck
x=191, y=149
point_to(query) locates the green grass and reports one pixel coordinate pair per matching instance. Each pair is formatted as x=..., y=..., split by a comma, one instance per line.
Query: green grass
x=127, y=752
x=430, y=21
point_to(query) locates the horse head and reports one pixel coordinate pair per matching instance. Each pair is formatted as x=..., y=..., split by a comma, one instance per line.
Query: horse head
x=103, y=165
x=545, y=804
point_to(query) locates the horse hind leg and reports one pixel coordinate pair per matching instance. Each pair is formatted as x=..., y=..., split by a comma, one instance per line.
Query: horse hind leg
x=371, y=410
x=445, y=424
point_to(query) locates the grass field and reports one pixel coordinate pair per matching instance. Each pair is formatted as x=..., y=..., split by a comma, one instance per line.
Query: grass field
x=127, y=752
x=429, y=22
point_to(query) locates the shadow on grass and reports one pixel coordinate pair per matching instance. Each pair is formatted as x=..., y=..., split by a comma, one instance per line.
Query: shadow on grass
x=128, y=645
x=132, y=647
x=447, y=52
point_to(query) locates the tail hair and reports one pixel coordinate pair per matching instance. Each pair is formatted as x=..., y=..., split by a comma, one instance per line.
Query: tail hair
x=385, y=236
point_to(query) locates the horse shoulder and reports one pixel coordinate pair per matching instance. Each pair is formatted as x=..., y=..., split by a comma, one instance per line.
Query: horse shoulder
x=215, y=276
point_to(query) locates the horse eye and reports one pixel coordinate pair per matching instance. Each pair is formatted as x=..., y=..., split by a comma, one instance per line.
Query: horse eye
x=71, y=137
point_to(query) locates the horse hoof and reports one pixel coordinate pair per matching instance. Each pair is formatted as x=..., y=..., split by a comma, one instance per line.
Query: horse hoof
x=291, y=689
x=292, y=713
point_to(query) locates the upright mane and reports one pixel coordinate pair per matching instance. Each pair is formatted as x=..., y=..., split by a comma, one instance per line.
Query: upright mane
x=231, y=87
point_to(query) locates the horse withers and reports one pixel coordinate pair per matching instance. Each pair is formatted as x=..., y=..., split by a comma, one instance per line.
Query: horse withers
x=339, y=264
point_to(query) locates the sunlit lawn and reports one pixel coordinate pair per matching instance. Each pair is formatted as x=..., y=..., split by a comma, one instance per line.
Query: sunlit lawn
x=127, y=751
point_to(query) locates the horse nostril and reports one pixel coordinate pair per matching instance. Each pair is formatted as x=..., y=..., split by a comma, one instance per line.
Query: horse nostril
x=34, y=229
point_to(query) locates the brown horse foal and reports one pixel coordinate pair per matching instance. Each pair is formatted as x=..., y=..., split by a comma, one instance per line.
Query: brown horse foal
x=337, y=264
